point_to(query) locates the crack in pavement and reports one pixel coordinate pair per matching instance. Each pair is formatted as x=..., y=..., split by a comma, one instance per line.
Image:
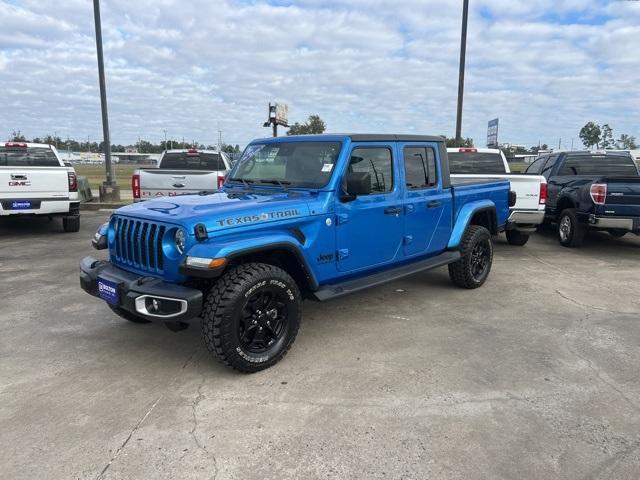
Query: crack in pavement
x=593, y=307
x=192, y=432
x=144, y=417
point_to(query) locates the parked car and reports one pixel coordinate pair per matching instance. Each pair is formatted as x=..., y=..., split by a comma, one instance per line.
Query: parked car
x=181, y=172
x=531, y=190
x=303, y=216
x=35, y=181
x=590, y=190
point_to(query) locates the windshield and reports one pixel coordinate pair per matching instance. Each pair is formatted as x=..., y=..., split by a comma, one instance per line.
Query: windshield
x=192, y=161
x=475, y=162
x=297, y=164
x=28, y=157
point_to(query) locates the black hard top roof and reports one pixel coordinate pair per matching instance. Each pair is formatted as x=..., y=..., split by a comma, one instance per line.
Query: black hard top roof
x=355, y=137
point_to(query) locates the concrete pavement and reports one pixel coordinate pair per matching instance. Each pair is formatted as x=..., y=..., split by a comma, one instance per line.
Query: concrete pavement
x=534, y=375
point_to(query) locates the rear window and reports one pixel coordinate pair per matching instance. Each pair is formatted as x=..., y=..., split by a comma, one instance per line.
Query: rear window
x=475, y=162
x=28, y=157
x=589, y=164
x=192, y=161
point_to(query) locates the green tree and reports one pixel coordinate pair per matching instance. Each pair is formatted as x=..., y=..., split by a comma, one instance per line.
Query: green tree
x=313, y=125
x=452, y=143
x=627, y=142
x=607, y=140
x=591, y=135
x=17, y=136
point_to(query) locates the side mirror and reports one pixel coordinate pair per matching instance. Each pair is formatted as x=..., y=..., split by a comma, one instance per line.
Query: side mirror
x=358, y=183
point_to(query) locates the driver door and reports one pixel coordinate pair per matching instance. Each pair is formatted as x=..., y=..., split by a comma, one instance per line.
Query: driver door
x=369, y=229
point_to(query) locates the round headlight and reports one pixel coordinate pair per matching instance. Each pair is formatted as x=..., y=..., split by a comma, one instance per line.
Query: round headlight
x=181, y=240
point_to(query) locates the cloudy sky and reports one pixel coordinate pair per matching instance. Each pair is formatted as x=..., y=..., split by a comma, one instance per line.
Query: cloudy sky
x=192, y=67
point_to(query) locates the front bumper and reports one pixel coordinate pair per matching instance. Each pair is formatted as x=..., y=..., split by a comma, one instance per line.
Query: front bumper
x=632, y=224
x=525, y=219
x=135, y=292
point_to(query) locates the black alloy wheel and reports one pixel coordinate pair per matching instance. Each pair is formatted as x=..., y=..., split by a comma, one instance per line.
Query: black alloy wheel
x=264, y=321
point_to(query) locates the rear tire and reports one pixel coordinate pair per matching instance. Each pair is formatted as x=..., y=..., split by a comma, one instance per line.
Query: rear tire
x=251, y=316
x=570, y=231
x=617, y=233
x=131, y=317
x=472, y=270
x=515, y=237
x=71, y=224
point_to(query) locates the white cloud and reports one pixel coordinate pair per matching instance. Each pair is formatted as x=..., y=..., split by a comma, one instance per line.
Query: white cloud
x=364, y=65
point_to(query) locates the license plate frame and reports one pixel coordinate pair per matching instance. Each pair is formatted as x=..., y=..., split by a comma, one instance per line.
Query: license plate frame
x=21, y=205
x=109, y=291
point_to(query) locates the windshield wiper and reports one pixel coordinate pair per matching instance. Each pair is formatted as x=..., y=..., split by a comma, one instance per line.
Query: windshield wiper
x=274, y=181
x=245, y=181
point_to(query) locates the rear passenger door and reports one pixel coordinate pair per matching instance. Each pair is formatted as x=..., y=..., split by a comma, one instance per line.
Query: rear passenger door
x=427, y=206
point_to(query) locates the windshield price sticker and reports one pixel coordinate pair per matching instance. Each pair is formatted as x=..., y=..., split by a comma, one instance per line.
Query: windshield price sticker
x=327, y=167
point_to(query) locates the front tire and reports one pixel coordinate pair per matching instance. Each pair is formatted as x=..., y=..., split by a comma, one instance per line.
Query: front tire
x=251, y=316
x=514, y=237
x=570, y=231
x=472, y=270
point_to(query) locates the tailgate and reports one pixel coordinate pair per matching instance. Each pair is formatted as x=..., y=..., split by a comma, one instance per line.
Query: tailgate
x=160, y=182
x=33, y=182
x=527, y=187
x=623, y=196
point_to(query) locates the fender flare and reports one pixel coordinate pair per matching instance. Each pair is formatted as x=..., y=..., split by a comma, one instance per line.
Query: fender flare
x=231, y=250
x=464, y=217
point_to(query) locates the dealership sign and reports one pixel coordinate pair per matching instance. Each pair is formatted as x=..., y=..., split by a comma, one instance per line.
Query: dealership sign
x=492, y=133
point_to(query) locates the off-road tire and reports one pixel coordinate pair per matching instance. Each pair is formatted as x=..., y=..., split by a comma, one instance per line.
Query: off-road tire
x=570, y=231
x=461, y=272
x=617, y=232
x=71, y=224
x=132, y=317
x=515, y=237
x=225, y=311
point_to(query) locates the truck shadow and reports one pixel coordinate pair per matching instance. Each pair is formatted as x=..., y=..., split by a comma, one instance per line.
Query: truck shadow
x=594, y=241
x=29, y=225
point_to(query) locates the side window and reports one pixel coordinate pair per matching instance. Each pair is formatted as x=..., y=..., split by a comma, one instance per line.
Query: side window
x=546, y=171
x=378, y=163
x=420, y=167
x=570, y=167
x=536, y=166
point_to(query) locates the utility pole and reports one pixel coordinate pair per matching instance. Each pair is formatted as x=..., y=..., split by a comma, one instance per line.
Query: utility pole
x=572, y=144
x=463, y=51
x=559, y=142
x=165, y=139
x=55, y=138
x=109, y=190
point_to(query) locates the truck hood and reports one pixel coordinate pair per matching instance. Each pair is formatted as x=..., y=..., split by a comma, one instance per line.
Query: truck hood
x=222, y=210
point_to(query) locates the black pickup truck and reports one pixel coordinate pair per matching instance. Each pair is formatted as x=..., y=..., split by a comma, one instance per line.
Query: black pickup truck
x=599, y=190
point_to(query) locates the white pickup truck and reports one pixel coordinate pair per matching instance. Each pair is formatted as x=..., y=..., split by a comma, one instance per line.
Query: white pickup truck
x=181, y=172
x=35, y=181
x=531, y=190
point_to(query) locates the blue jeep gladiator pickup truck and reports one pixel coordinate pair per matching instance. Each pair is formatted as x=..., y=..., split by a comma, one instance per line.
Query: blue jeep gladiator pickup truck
x=298, y=217
x=590, y=190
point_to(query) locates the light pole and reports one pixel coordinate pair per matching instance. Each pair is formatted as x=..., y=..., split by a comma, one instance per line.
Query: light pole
x=165, y=140
x=109, y=190
x=463, y=51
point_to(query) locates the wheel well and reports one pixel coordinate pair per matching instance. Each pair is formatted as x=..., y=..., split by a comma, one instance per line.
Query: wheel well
x=284, y=258
x=563, y=203
x=486, y=218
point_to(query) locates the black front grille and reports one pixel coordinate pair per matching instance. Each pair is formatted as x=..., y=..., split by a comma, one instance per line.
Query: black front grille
x=138, y=243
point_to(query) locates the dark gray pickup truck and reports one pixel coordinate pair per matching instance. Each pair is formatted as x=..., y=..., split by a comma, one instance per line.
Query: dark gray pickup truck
x=597, y=190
